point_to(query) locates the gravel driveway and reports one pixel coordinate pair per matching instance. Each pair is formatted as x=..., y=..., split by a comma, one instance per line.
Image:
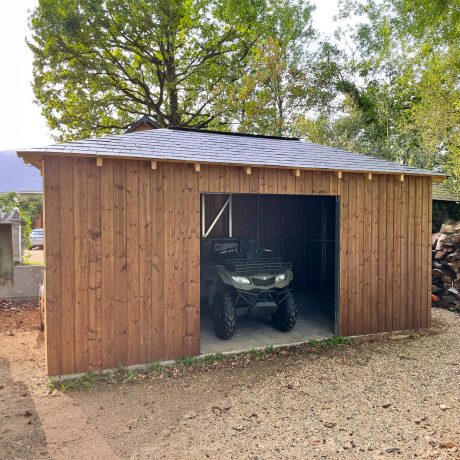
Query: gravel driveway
x=386, y=398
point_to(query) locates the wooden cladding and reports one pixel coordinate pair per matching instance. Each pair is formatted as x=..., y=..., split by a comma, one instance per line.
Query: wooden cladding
x=123, y=261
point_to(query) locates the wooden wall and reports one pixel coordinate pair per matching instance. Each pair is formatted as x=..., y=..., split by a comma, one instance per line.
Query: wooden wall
x=122, y=254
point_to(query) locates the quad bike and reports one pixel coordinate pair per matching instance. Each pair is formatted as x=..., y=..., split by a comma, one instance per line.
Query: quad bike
x=236, y=283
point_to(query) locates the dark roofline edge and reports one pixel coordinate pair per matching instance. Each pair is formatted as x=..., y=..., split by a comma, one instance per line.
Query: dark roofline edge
x=231, y=133
x=21, y=154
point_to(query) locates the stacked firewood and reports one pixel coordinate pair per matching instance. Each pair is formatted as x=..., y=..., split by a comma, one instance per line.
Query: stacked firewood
x=446, y=267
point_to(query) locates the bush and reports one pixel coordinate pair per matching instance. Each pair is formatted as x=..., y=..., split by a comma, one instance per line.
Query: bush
x=29, y=207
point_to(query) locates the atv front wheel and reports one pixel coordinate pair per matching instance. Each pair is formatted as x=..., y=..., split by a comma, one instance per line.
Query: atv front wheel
x=285, y=317
x=224, y=315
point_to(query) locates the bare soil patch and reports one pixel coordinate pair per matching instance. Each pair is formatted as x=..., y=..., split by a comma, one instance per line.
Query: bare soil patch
x=382, y=398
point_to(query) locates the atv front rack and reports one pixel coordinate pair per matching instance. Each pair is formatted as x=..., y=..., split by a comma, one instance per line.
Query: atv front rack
x=257, y=266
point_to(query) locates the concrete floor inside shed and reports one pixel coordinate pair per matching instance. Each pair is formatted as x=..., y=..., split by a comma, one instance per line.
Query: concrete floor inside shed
x=315, y=321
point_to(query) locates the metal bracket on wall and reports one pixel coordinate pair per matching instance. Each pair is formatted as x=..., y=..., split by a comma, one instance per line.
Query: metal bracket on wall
x=228, y=203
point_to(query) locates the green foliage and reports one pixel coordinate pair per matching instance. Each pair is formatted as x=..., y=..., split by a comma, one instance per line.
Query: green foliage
x=99, y=65
x=188, y=361
x=29, y=207
x=256, y=353
x=400, y=84
x=288, y=73
x=331, y=341
x=444, y=211
x=83, y=383
x=200, y=360
x=389, y=86
x=155, y=368
x=211, y=359
x=271, y=350
x=336, y=340
x=129, y=376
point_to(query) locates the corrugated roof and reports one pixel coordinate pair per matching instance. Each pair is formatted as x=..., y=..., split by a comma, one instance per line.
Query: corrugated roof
x=16, y=176
x=442, y=193
x=208, y=147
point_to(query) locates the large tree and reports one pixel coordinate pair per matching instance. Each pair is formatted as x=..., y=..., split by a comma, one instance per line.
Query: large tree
x=400, y=83
x=100, y=64
x=287, y=73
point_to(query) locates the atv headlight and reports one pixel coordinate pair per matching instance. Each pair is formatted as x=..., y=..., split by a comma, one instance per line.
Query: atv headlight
x=280, y=277
x=241, y=279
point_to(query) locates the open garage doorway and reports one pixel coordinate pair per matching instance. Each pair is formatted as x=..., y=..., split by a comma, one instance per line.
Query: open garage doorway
x=259, y=254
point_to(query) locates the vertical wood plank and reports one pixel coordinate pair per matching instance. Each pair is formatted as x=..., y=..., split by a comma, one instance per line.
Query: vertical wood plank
x=344, y=255
x=389, y=255
x=169, y=260
x=94, y=266
x=193, y=267
x=418, y=253
x=52, y=265
x=81, y=268
x=224, y=179
x=282, y=181
x=306, y=182
x=404, y=255
x=425, y=239
x=290, y=182
x=374, y=303
x=272, y=181
x=381, y=302
x=428, y=243
x=234, y=179
x=254, y=181
x=67, y=278
x=411, y=252
x=146, y=304
x=108, y=265
x=214, y=179
x=244, y=180
x=333, y=186
x=367, y=256
x=263, y=181
x=352, y=255
x=325, y=184
x=360, y=286
x=396, y=317
x=133, y=300
x=180, y=258
x=120, y=262
x=161, y=223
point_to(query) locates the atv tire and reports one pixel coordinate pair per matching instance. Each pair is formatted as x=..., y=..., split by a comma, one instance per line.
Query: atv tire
x=285, y=317
x=224, y=315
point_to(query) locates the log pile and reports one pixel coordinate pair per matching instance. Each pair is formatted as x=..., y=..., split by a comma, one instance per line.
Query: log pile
x=446, y=267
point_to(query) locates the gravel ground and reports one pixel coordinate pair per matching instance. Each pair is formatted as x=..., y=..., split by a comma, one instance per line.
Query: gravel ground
x=387, y=397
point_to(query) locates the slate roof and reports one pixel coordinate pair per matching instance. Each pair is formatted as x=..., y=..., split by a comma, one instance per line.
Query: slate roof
x=442, y=193
x=16, y=176
x=207, y=147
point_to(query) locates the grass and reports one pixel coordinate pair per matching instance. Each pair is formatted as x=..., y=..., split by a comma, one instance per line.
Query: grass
x=83, y=383
x=126, y=376
x=188, y=361
x=27, y=261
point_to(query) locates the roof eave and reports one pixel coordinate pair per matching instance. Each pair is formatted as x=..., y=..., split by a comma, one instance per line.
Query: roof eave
x=33, y=156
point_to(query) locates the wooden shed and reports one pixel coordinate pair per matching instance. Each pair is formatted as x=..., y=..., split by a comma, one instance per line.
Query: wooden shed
x=123, y=228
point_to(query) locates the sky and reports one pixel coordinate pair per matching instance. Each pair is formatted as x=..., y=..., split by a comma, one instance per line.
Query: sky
x=21, y=122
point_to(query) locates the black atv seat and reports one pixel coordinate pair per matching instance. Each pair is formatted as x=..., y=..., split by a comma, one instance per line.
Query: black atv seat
x=211, y=248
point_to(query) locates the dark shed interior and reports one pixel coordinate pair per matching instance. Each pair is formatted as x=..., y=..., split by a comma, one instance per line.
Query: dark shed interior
x=298, y=228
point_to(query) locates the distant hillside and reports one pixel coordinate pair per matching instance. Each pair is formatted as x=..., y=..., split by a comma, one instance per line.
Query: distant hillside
x=16, y=176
